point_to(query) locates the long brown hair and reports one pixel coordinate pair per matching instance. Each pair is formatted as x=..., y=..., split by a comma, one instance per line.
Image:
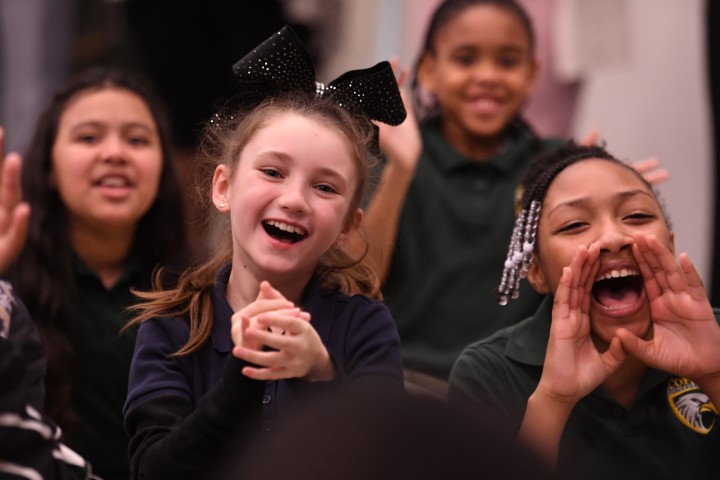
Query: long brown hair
x=224, y=138
x=43, y=276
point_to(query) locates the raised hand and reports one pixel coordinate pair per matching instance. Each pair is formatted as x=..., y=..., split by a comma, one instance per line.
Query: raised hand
x=401, y=144
x=650, y=169
x=573, y=365
x=686, y=336
x=294, y=348
x=14, y=213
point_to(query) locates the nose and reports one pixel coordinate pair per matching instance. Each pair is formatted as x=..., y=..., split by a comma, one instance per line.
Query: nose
x=485, y=71
x=293, y=199
x=614, y=237
x=113, y=149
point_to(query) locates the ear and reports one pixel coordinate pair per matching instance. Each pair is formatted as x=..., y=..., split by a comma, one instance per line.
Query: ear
x=533, y=74
x=536, y=277
x=221, y=188
x=426, y=67
x=672, y=242
x=350, y=227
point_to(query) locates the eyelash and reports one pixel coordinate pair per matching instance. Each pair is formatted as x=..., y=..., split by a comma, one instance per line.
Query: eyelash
x=324, y=188
x=633, y=216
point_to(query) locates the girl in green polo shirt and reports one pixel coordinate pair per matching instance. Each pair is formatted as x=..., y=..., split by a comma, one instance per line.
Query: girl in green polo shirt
x=617, y=375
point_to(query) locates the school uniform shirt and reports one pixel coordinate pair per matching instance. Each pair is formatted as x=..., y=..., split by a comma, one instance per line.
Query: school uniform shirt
x=452, y=240
x=102, y=364
x=671, y=431
x=30, y=444
x=188, y=414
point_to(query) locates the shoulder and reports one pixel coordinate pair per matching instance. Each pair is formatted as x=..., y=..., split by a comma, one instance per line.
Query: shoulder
x=171, y=332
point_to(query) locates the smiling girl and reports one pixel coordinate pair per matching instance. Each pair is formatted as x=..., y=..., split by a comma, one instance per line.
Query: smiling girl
x=106, y=211
x=617, y=375
x=248, y=338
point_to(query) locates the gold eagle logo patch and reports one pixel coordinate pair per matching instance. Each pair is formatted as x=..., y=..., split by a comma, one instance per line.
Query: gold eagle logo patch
x=690, y=405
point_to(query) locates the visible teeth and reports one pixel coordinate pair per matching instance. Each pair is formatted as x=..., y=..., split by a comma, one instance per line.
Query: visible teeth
x=618, y=274
x=113, y=182
x=287, y=228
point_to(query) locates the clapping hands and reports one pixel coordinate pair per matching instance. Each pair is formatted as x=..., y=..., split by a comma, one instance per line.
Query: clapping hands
x=276, y=336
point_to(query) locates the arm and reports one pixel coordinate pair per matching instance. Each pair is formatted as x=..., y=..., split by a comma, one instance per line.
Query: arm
x=686, y=335
x=401, y=147
x=573, y=366
x=174, y=435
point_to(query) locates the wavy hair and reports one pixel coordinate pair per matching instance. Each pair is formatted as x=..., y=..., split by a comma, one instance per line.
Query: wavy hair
x=225, y=136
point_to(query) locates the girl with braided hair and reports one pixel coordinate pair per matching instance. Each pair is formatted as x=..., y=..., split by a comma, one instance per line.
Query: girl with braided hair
x=248, y=338
x=617, y=374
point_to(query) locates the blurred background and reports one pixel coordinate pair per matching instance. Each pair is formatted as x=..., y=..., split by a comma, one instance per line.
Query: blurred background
x=644, y=73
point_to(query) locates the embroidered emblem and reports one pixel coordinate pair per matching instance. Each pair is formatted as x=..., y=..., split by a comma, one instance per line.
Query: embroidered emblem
x=690, y=405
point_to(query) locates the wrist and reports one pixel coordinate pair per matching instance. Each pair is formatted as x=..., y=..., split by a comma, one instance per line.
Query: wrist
x=324, y=370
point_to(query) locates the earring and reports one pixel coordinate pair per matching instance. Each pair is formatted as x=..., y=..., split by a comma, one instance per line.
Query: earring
x=221, y=204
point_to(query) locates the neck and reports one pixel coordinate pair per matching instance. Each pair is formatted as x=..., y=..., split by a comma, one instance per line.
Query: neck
x=243, y=287
x=104, y=252
x=624, y=383
x=472, y=146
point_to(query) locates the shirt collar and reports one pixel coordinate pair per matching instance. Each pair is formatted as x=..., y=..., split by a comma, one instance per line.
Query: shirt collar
x=512, y=154
x=528, y=340
x=528, y=343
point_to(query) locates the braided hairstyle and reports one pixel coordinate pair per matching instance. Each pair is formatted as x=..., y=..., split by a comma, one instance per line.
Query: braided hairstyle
x=532, y=190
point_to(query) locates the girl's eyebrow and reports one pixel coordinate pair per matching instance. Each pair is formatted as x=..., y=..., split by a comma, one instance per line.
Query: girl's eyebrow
x=285, y=158
x=583, y=200
x=101, y=124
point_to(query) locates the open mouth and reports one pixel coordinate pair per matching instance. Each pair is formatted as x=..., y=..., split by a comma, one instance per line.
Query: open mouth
x=113, y=181
x=283, y=232
x=618, y=289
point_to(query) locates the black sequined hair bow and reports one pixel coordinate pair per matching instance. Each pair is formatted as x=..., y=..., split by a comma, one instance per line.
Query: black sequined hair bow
x=281, y=63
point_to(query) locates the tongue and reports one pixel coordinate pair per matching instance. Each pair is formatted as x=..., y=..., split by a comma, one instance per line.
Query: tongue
x=625, y=295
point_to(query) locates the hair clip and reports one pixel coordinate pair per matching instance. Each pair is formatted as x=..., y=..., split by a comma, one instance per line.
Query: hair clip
x=281, y=62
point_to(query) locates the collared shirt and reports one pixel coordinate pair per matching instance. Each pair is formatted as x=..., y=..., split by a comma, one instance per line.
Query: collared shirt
x=671, y=430
x=184, y=413
x=451, y=245
x=102, y=363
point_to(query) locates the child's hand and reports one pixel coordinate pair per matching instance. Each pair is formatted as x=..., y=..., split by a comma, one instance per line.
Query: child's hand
x=296, y=348
x=650, y=169
x=14, y=213
x=268, y=300
x=401, y=144
x=573, y=365
x=686, y=336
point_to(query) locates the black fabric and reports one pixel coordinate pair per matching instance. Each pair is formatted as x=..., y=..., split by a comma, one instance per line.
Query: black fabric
x=29, y=442
x=713, y=56
x=282, y=63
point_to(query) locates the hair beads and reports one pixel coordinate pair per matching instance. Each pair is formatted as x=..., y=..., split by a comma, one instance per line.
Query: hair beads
x=520, y=253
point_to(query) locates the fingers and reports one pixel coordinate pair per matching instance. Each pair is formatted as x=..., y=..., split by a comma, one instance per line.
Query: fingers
x=651, y=170
x=633, y=344
x=591, y=138
x=692, y=277
x=268, y=292
x=658, y=266
x=561, y=303
x=614, y=356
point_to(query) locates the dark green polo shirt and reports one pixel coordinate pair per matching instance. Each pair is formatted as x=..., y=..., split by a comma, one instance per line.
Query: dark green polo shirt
x=102, y=366
x=453, y=237
x=671, y=431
